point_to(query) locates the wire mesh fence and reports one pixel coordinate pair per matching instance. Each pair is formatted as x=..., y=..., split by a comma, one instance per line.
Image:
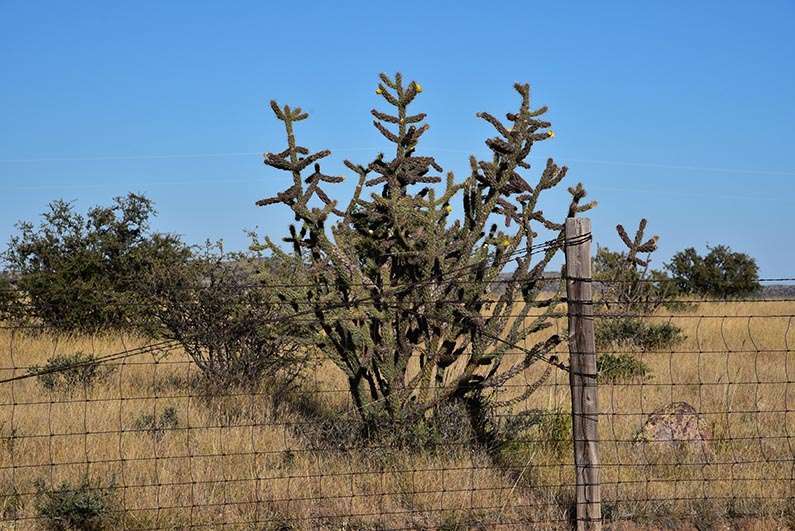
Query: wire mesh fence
x=172, y=454
x=703, y=427
x=126, y=433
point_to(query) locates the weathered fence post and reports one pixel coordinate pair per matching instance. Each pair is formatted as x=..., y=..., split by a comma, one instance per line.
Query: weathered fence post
x=582, y=377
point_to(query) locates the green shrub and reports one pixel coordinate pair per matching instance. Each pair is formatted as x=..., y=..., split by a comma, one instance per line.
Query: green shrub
x=554, y=431
x=78, y=272
x=536, y=431
x=450, y=425
x=83, y=507
x=157, y=426
x=622, y=367
x=721, y=273
x=637, y=333
x=11, y=307
x=70, y=372
x=11, y=502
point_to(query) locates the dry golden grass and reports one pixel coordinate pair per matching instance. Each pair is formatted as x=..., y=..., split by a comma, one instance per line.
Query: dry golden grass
x=739, y=373
x=242, y=462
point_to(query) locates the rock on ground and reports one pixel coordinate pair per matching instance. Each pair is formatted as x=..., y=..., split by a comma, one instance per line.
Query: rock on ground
x=676, y=425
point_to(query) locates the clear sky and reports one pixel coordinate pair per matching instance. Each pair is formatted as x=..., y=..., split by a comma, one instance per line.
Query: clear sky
x=682, y=112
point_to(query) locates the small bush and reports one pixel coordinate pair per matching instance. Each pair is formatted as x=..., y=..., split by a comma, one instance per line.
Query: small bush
x=539, y=431
x=554, y=431
x=621, y=367
x=83, y=507
x=636, y=333
x=10, y=502
x=157, y=426
x=9, y=442
x=450, y=424
x=71, y=371
x=227, y=319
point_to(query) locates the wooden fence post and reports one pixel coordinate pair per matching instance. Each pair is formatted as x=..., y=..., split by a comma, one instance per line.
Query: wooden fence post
x=582, y=375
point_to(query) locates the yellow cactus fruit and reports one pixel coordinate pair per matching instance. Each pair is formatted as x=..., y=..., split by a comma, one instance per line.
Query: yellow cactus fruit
x=550, y=133
x=448, y=208
x=417, y=87
x=505, y=242
x=379, y=91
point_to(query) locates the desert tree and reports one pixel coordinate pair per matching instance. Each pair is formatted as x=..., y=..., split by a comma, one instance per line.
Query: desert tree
x=403, y=292
x=81, y=273
x=720, y=273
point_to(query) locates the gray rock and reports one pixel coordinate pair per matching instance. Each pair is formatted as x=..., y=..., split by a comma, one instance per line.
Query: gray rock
x=677, y=425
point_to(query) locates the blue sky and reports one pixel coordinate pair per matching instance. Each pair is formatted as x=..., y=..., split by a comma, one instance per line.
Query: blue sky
x=681, y=112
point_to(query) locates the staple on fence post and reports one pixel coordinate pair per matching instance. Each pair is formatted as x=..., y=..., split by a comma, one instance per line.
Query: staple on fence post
x=582, y=375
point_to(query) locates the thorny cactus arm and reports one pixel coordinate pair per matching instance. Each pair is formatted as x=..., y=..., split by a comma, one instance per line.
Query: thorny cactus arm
x=497, y=187
x=632, y=287
x=295, y=159
x=636, y=246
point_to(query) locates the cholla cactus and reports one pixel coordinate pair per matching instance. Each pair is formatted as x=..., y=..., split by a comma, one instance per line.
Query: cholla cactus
x=630, y=292
x=397, y=279
x=629, y=285
x=638, y=245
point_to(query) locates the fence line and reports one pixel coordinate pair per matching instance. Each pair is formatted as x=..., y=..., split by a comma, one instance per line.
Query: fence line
x=700, y=428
